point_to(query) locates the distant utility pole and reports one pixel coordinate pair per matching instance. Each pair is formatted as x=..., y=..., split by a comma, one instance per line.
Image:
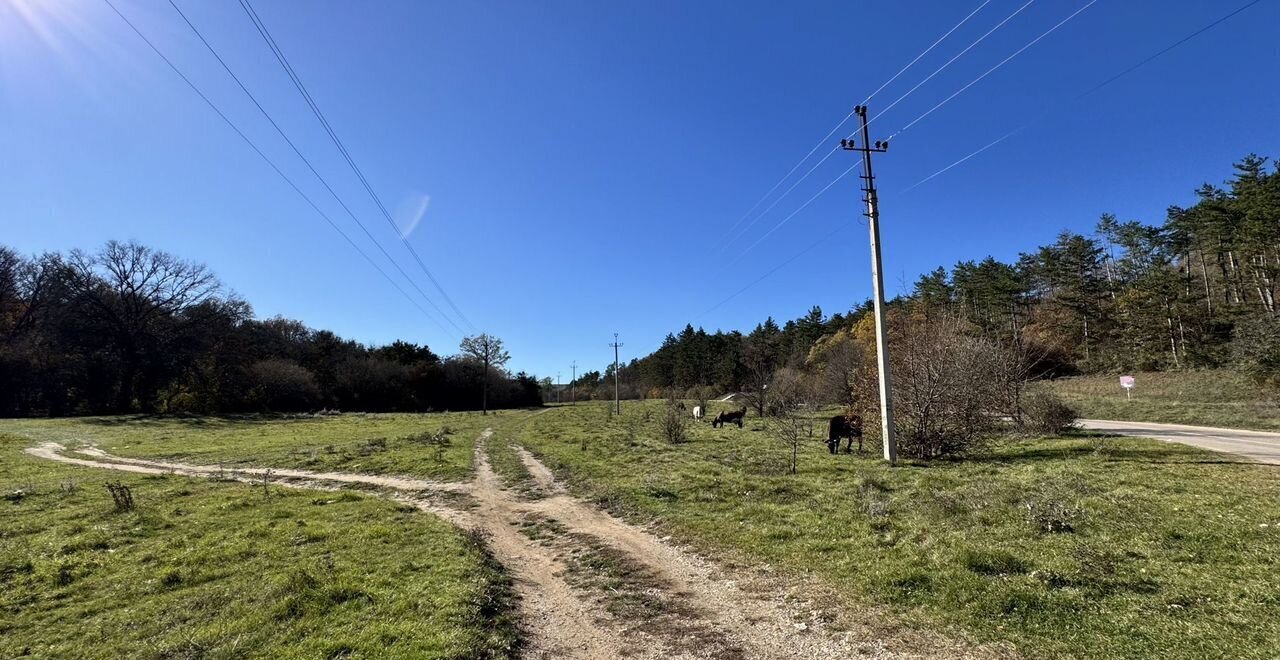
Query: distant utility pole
x=882, y=336
x=573, y=384
x=557, y=387
x=617, y=403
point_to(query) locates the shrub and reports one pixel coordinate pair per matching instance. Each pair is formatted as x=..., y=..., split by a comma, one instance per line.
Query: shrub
x=673, y=424
x=1043, y=411
x=946, y=385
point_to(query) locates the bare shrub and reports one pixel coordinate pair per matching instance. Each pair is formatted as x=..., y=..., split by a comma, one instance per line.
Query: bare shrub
x=1045, y=412
x=121, y=494
x=946, y=385
x=790, y=423
x=674, y=424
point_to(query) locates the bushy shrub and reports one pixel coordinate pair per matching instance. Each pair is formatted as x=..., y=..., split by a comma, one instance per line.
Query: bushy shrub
x=1043, y=411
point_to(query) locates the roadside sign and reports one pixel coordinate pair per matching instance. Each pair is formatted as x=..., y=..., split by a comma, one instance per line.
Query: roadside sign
x=1127, y=382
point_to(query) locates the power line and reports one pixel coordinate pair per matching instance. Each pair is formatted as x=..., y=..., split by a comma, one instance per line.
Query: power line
x=271, y=163
x=1174, y=45
x=835, y=128
x=992, y=144
x=781, y=197
x=802, y=207
x=315, y=109
x=922, y=54
x=951, y=61
x=909, y=92
x=1090, y=91
x=821, y=240
x=994, y=68
x=948, y=168
x=307, y=161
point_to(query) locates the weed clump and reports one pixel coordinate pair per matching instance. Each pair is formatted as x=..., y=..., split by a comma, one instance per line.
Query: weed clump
x=1053, y=516
x=121, y=495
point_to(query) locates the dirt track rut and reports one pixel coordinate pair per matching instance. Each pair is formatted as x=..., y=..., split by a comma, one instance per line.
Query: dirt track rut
x=591, y=585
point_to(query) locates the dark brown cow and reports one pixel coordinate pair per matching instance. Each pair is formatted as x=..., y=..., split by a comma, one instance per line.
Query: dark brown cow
x=844, y=427
x=732, y=417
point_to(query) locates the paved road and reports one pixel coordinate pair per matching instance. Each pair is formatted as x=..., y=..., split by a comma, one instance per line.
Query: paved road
x=1260, y=446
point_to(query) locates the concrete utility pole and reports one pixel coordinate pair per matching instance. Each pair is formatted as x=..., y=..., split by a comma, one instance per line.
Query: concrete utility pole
x=617, y=403
x=573, y=384
x=557, y=387
x=882, y=335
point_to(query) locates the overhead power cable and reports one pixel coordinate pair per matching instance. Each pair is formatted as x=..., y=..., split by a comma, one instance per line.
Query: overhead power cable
x=995, y=68
x=311, y=167
x=835, y=128
x=821, y=240
x=999, y=140
x=802, y=207
x=272, y=164
x=324, y=122
x=951, y=61
x=1090, y=91
x=924, y=52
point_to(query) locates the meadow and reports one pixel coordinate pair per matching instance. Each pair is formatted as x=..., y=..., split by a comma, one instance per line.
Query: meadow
x=393, y=443
x=1221, y=397
x=1079, y=547
x=211, y=569
x=1071, y=547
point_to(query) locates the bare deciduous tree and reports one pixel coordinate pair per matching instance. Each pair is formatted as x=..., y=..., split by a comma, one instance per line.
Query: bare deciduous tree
x=489, y=352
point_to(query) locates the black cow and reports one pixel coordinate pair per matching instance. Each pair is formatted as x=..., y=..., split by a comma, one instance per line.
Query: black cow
x=847, y=427
x=732, y=417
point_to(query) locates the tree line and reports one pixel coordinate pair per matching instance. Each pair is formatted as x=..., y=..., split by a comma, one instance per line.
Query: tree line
x=1197, y=290
x=130, y=329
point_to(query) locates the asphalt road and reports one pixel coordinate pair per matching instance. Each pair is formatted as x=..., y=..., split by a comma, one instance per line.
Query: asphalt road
x=1259, y=446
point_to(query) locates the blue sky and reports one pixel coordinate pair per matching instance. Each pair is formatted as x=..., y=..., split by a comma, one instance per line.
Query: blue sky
x=586, y=161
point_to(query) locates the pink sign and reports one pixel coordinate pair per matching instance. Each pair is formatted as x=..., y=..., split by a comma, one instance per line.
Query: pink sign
x=1127, y=382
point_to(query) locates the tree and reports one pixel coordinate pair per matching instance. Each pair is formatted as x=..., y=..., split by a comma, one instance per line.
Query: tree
x=760, y=355
x=489, y=352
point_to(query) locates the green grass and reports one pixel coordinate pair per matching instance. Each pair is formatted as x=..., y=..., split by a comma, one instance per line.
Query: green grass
x=205, y=569
x=376, y=444
x=1221, y=397
x=1063, y=547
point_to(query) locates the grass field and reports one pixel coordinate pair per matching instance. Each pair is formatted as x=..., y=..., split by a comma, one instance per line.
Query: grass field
x=375, y=444
x=1070, y=547
x=1222, y=398
x=206, y=569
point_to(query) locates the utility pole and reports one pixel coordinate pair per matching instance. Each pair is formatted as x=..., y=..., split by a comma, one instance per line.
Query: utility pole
x=557, y=387
x=617, y=403
x=573, y=384
x=877, y=276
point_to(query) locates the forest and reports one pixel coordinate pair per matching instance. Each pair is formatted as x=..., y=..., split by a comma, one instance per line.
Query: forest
x=1197, y=290
x=129, y=329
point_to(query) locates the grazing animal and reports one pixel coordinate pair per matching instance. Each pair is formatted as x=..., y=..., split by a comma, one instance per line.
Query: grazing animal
x=845, y=427
x=698, y=413
x=732, y=417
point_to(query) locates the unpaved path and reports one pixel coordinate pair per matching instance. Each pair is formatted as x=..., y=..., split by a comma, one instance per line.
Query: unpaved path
x=593, y=586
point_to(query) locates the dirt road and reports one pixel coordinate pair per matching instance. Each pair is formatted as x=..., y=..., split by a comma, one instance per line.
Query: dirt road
x=593, y=586
x=1259, y=446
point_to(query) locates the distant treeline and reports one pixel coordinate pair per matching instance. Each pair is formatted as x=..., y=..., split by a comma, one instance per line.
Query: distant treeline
x=131, y=329
x=1197, y=291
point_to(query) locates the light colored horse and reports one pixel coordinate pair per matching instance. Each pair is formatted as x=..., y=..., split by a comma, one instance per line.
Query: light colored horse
x=698, y=413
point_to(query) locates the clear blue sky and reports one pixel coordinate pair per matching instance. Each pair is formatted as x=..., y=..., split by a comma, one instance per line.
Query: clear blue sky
x=585, y=160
